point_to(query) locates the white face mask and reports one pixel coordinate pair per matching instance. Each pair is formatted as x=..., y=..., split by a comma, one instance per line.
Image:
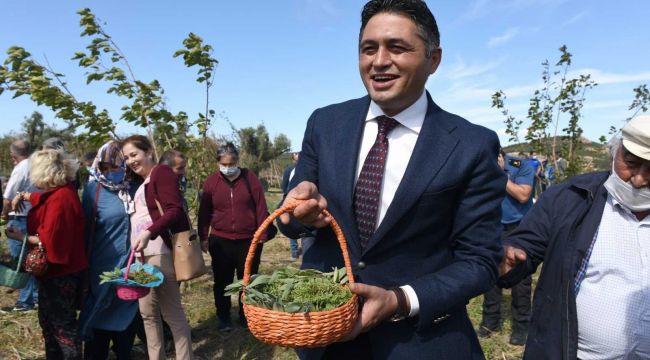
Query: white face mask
x=229, y=171
x=632, y=198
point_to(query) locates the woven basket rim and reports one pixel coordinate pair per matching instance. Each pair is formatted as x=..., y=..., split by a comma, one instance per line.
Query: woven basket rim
x=336, y=309
x=288, y=208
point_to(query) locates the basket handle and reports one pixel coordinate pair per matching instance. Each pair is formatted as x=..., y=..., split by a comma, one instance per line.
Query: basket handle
x=289, y=208
x=22, y=253
x=129, y=262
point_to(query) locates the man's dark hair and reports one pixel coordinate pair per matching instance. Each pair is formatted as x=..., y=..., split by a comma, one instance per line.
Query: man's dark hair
x=21, y=147
x=169, y=157
x=416, y=10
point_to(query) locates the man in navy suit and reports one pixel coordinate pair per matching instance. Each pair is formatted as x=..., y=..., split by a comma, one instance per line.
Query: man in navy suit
x=435, y=241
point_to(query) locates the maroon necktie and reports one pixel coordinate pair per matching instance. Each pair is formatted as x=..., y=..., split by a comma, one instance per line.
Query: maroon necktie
x=368, y=190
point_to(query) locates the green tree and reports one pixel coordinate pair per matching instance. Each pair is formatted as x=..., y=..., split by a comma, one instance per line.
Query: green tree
x=554, y=112
x=36, y=131
x=103, y=61
x=256, y=148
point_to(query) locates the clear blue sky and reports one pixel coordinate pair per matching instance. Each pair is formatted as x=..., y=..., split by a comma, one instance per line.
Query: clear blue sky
x=280, y=60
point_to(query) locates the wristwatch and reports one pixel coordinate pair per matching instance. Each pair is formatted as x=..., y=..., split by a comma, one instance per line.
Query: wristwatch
x=402, y=306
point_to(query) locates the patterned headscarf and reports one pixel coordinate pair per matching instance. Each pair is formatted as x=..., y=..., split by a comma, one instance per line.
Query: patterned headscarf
x=111, y=153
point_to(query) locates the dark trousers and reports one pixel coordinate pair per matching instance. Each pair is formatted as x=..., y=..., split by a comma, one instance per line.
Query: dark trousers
x=58, y=318
x=520, y=306
x=358, y=349
x=228, y=257
x=97, y=349
x=520, y=301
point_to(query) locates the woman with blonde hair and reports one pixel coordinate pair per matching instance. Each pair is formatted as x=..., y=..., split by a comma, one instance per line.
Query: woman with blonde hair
x=158, y=213
x=56, y=222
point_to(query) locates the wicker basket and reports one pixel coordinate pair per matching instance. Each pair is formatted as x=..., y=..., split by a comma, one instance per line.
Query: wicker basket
x=15, y=278
x=130, y=292
x=305, y=330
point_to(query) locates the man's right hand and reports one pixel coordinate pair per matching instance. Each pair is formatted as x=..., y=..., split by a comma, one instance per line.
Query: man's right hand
x=309, y=212
x=512, y=257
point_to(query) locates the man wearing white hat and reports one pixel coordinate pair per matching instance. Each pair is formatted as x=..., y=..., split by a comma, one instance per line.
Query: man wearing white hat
x=593, y=234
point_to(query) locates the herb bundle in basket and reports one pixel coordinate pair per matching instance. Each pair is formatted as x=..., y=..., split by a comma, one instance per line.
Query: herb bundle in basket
x=298, y=308
x=135, y=280
x=292, y=290
x=139, y=276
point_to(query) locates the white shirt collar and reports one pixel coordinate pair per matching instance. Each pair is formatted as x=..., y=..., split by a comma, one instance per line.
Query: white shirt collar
x=412, y=117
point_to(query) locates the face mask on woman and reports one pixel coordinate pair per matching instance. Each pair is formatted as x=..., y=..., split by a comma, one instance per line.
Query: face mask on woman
x=228, y=170
x=116, y=176
x=635, y=199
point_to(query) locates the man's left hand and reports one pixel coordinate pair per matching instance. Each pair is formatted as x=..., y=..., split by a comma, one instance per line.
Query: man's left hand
x=379, y=305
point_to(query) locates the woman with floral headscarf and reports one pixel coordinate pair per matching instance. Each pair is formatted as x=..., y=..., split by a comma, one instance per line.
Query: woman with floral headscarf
x=107, y=206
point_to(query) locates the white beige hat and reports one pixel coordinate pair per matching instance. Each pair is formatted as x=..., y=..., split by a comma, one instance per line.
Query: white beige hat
x=636, y=136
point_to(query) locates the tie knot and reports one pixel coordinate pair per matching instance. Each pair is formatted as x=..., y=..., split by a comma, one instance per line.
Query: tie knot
x=385, y=125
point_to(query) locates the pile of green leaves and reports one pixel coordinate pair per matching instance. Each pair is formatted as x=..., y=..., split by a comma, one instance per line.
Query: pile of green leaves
x=140, y=276
x=292, y=290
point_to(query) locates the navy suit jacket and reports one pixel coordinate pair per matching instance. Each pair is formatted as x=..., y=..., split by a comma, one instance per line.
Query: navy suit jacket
x=440, y=235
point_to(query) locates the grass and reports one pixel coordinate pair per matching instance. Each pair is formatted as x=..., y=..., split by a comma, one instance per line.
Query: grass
x=20, y=334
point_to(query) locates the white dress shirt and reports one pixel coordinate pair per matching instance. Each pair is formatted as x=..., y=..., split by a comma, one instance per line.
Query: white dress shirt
x=401, y=141
x=613, y=302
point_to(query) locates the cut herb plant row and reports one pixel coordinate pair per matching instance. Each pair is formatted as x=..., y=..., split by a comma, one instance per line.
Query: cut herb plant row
x=292, y=290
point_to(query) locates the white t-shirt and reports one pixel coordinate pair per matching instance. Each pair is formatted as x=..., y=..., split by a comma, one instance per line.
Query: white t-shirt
x=19, y=181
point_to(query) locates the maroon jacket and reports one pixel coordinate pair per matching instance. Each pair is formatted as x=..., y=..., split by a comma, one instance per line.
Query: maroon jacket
x=230, y=208
x=57, y=218
x=163, y=186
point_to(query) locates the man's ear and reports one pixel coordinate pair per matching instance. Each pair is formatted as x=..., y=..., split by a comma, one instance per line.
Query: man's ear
x=436, y=58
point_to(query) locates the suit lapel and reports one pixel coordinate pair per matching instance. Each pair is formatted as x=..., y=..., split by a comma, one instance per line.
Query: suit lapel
x=432, y=149
x=346, y=149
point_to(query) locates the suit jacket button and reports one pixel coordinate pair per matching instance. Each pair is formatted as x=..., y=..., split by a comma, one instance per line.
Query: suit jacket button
x=361, y=265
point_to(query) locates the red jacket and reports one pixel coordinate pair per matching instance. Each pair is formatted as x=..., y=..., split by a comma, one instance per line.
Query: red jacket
x=230, y=208
x=58, y=220
x=163, y=186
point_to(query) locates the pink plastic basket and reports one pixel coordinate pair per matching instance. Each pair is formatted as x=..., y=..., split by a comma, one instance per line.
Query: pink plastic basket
x=128, y=292
x=131, y=292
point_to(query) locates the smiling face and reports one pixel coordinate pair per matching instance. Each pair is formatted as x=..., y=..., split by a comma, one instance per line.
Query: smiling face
x=393, y=63
x=138, y=160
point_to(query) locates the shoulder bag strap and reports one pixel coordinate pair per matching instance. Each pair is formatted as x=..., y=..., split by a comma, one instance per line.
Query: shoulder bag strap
x=94, y=222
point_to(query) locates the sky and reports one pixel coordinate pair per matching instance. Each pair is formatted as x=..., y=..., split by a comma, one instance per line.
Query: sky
x=281, y=60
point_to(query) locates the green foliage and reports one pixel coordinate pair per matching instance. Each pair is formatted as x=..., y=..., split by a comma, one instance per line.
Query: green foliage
x=512, y=124
x=292, y=290
x=22, y=75
x=139, y=276
x=555, y=107
x=103, y=61
x=256, y=149
x=641, y=100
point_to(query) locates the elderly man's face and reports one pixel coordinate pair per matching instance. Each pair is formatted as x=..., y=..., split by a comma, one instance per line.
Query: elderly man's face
x=631, y=168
